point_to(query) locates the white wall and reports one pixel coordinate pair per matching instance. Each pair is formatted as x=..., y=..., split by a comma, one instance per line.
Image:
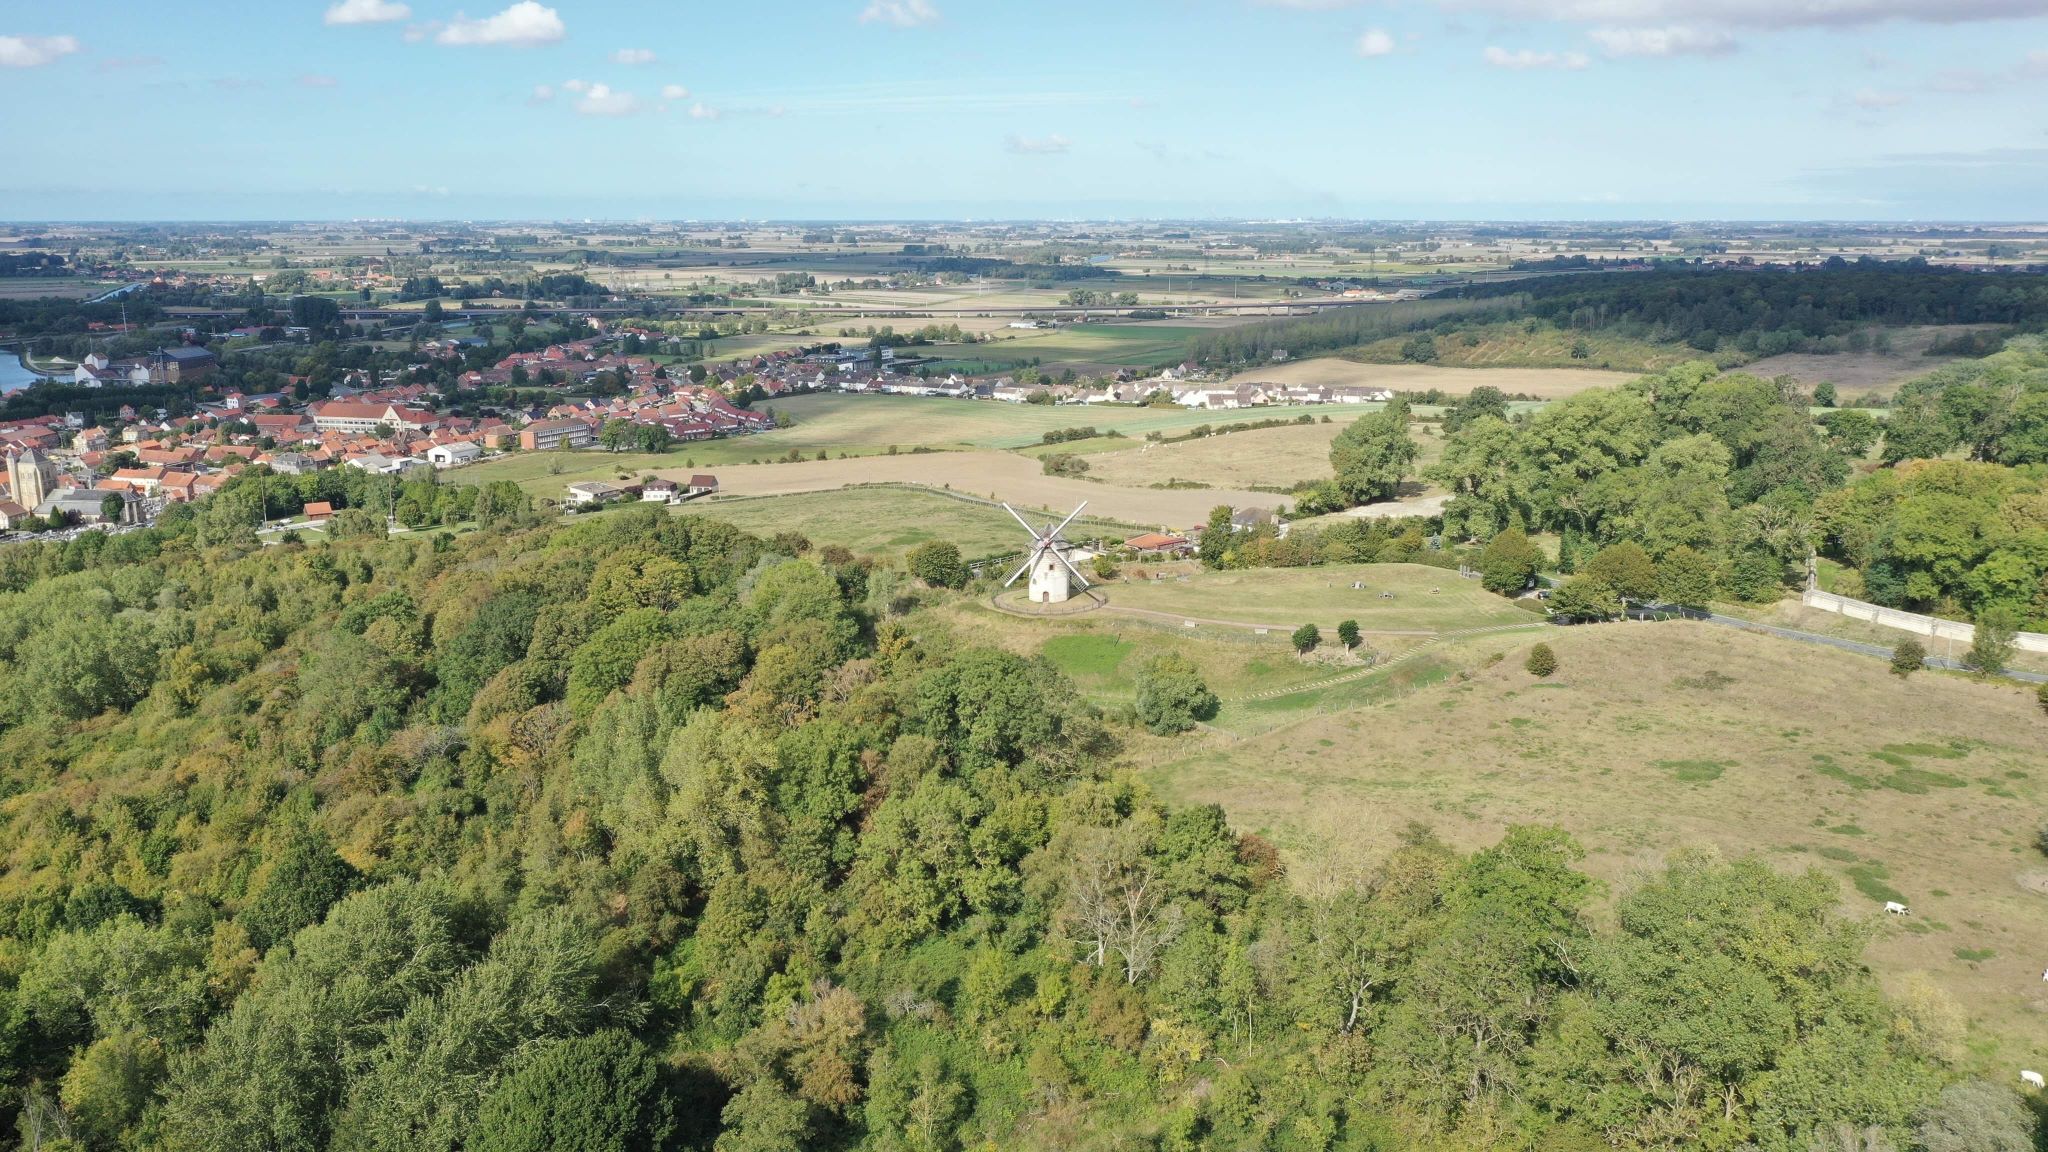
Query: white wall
x=1911, y=621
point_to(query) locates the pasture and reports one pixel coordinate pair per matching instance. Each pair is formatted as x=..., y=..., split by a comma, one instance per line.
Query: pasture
x=1005, y=476
x=1657, y=737
x=1424, y=599
x=1258, y=458
x=890, y=521
x=1544, y=383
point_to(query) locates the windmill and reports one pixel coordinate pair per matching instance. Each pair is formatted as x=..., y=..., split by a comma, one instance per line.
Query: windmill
x=1053, y=576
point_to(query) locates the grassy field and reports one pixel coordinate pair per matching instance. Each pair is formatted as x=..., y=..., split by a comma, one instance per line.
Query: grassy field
x=1134, y=345
x=1287, y=597
x=1545, y=383
x=1653, y=738
x=888, y=521
x=1511, y=345
x=842, y=425
x=1261, y=457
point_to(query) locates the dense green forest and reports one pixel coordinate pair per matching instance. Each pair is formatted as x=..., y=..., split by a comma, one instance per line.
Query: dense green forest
x=1714, y=476
x=643, y=834
x=1767, y=310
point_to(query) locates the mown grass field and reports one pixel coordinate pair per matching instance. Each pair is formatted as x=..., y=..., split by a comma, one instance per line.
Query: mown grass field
x=888, y=521
x=1424, y=598
x=1656, y=737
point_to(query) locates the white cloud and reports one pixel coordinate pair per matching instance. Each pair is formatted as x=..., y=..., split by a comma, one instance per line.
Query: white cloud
x=601, y=100
x=315, y=80
x=703, y=111
x=575, y=85
x=1051, y=145
x=1375, y=42
x=674, y=92
x=632, y=56
x=34, y=51
x=901, y=13
x=1526, y=59
x=526, y=22
x=366, y=12
x=1675, y=40
x=1873, y=99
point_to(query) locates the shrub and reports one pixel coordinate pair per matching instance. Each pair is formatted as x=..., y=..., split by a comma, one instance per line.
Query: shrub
x=1306, y=638
x=1908, y=657
x=1992, y=648
x=937, y=563
x=1172, y=696
x=1105, y=566
x=1542, y=661
x=2041, y=694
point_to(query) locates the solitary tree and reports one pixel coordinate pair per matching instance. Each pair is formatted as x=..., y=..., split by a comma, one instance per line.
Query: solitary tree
x=1373, y=455
x=1306, y=638
x=1908, y=658
x=937, y=563
x=1992, y=648
x=1347, y=633
x=1508, y=562
x=1172, y=696
x=1542, y=661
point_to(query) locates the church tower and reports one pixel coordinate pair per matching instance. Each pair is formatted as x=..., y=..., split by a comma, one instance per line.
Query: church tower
x=31, y=476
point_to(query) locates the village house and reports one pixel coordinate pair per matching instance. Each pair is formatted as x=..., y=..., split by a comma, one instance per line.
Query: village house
x=453, y=453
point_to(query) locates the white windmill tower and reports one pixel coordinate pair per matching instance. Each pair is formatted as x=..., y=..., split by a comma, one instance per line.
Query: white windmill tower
x=1053, y=577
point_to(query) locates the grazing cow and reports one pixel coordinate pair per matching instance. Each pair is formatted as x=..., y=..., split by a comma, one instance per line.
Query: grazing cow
x=2032, y=1079
x=1895, y=908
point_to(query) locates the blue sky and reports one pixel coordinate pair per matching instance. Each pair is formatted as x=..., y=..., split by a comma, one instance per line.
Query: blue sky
x=895, y=109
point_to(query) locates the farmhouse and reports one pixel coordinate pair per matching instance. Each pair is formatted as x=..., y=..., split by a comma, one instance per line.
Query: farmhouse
x=588, y=492
x=703, y=484
x=1159, y=544
x=658, y=491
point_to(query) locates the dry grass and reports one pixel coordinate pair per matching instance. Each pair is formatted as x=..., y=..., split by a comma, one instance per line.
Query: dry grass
x=1277, y=457
x=1424, y=598
x=989, y=475
x=1543, y=383
x=1653, y=738
x=1861, y=373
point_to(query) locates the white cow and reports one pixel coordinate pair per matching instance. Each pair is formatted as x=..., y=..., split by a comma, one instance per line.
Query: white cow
x=2032, y=1079
x=1895, y=908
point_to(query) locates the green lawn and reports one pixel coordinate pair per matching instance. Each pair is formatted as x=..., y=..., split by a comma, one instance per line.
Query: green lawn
x=1288, y=597
x=886, y=521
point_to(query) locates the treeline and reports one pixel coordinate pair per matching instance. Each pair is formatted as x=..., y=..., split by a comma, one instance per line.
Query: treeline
x=1331, y=330
x=1720, y=471
x=1767, y=310
x=1994, y=409
x=647, y=834
x=1010, y=270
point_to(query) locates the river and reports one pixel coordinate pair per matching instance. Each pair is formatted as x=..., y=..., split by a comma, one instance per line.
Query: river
x=13, y=377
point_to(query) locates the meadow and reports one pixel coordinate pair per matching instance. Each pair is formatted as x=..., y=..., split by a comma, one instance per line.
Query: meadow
x=1657, y=737
x=890, y=521
x=1544, y=383
x=1424, y=599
